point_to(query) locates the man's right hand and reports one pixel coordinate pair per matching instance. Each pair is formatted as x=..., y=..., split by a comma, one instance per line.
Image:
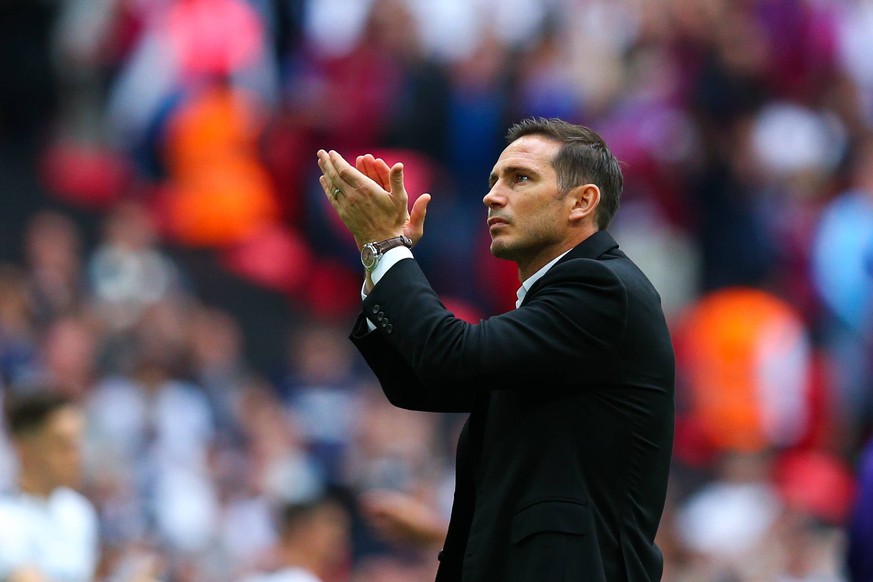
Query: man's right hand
x=378, y=170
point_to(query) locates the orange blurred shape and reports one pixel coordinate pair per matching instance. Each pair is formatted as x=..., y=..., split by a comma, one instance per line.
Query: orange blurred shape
x=219, y=194
x=222, y=205
x=276, y=258
x=216, y=124
x=745, y=356
x=214, y=36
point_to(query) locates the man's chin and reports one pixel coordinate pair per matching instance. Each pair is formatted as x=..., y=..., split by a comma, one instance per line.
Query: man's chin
x=501, y=250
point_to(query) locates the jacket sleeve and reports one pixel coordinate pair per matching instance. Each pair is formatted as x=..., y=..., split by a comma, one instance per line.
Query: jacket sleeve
x=570, y=325
x=399, y=381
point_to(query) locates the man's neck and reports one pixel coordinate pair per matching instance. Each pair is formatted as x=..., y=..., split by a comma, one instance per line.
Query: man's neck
x=33, y=486
x=300, y=558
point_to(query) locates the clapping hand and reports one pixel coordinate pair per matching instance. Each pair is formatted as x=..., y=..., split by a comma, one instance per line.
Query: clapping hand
x=370, y=198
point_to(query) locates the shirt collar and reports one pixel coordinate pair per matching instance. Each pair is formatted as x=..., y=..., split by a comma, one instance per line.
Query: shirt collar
x=529, y=282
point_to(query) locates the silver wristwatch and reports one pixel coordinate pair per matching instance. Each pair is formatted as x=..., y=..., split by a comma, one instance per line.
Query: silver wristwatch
x=372, y=252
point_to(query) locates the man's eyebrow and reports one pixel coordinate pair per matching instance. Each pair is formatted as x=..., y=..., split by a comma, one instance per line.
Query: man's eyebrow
x=492, y=178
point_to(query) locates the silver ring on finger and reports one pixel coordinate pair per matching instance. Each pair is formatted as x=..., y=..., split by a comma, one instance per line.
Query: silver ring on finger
x=337, y=192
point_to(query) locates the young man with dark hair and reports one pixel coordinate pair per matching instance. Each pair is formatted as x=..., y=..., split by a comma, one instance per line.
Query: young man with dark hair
x=313, y=541
x=48, y=531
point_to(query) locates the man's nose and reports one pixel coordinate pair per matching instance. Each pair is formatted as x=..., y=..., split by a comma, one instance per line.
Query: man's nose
x=493, y=198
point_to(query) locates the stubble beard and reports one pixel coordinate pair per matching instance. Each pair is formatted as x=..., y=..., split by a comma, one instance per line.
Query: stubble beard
x=515, y=251
x=502, y=250
x=523, y=250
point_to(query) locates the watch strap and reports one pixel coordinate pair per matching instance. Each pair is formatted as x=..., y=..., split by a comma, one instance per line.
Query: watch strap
x=383, y=246
x=371, y=253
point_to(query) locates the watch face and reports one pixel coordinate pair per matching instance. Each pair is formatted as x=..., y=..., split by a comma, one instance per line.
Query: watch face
x=368, y=256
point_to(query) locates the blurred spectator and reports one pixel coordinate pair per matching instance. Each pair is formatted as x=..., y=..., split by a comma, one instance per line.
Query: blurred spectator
x=148, y=442
x=69, y=356
x=725, y=523
x=18, y=349
x=218, y=365
x=400, y=463
x=845, y=230
x=766, y=518
x=49, y=530
x=322, y=390
x=53, y=247
x=127, y=272
x=281, y=467
x=313, y=543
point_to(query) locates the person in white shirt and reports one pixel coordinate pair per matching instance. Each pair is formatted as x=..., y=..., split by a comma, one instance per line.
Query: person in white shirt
x=313, y=541
x=48, y=531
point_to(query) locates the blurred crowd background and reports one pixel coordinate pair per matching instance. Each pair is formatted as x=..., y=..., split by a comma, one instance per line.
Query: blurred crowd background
x=167, y=258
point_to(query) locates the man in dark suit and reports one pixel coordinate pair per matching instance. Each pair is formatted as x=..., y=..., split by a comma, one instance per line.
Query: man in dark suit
x=562, y=465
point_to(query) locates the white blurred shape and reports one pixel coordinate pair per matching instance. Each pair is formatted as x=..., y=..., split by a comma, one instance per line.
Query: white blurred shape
x=186, y=508
x=336, y=25
x=728, y=519
x=788, y=138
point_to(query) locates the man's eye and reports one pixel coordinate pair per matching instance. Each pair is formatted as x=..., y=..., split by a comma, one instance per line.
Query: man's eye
x=522, y=178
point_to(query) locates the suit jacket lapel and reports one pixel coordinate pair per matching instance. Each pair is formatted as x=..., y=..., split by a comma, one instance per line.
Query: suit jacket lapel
x=592, y=247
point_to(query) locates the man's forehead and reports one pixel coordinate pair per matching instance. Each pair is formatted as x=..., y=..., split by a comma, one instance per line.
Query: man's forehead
x=533, y=149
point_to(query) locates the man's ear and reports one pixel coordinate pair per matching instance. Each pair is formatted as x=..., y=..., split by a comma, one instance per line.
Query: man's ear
x=585, y=199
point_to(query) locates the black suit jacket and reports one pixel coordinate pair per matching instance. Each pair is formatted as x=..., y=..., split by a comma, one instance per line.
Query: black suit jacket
x=562, y=465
